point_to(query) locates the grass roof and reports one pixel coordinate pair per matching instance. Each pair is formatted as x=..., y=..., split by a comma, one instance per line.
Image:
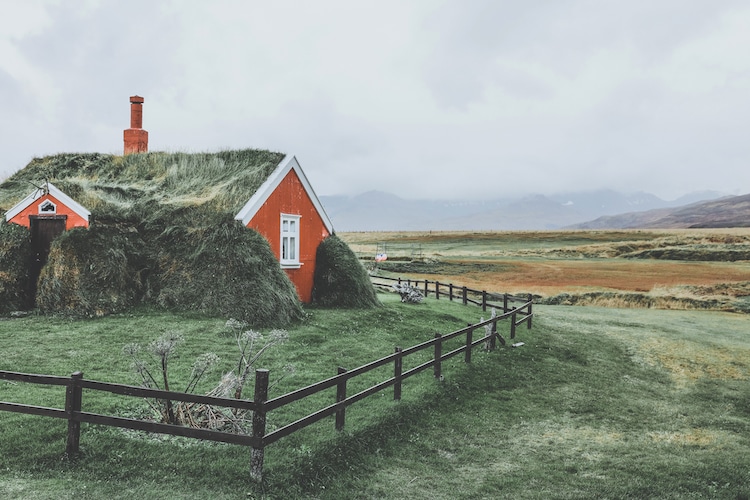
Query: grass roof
x=137, y=185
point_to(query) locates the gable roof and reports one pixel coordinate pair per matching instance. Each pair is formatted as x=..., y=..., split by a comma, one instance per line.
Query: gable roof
x=53, y=191
x=257, y=200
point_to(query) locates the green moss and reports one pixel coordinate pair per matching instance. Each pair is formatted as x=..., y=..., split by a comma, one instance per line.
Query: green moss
x=224, y=269
x=94, y=272
x=340, y=280
x=15, y=249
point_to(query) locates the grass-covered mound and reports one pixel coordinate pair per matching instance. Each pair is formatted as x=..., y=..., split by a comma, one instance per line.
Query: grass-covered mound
x=15, y=251
x=93, y=272
x=340, y=280
x=224, y=269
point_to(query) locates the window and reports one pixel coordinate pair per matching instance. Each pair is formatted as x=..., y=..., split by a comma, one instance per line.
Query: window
x=47, y=207
x=290, y=240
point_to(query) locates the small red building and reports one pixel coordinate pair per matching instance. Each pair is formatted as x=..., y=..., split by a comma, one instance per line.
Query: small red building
x=288, y=213
x=47, y=206
x=47, y=212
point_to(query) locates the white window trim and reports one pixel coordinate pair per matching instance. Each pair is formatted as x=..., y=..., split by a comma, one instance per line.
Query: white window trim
x=45, y=202
x=293, y=263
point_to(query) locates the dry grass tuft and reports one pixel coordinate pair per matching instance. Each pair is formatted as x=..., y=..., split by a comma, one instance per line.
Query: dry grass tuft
x=690, y=437
x=689, y=361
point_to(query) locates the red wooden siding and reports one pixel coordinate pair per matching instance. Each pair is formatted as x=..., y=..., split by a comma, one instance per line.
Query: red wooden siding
x=73, y=219
x=291, y=198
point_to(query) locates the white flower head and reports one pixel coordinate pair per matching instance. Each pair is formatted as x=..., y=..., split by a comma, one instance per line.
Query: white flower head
x=279, y=335
x=166, y=344
x=251, y=336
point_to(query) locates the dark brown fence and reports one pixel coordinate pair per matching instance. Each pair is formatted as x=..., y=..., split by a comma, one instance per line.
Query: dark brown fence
x=261, y=405
x=466, y=295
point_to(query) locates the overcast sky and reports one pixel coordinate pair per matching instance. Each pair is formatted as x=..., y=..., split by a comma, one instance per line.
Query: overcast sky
x=424, y=99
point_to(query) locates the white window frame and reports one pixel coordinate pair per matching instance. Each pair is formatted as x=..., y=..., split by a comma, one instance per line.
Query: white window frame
x=44, y=203
x=289, y=239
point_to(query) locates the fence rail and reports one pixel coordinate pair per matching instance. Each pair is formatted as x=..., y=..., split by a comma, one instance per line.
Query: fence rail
x=261, y=405
x=466, y=295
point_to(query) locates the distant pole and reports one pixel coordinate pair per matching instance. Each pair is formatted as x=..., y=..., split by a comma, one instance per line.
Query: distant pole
x=531, y=314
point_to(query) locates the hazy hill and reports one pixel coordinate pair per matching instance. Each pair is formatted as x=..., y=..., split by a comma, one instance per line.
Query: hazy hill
x=729, y=211
x=379, y=211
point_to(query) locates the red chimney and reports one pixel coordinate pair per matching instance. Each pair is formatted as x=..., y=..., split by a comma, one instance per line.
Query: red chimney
x=136, y=139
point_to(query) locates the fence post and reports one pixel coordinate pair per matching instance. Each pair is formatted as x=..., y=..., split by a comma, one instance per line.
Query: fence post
x=260, y=397
x=437, y=290
x=438, y=355
x=73, y=399
x=450, y=291
x=426, y=282
x=513, y=324
x=398, y=366
x=505, y=303
x=493, y=336
x=484, y=300
x=469, y=340
x=340, y=396
x=528, y=322
x=463, y=293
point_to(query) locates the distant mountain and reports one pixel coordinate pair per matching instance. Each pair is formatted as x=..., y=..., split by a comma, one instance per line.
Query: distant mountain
x=729, y=211
x=379, y=211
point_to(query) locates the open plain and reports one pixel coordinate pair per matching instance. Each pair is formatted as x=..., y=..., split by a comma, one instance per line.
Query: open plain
x=686, y=269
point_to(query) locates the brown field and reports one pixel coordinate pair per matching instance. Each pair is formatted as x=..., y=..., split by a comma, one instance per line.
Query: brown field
x=553, y=277
x=549, y=263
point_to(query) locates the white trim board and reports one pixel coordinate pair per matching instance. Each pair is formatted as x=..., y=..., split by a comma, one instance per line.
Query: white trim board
x=264, y=192
x=53, y=191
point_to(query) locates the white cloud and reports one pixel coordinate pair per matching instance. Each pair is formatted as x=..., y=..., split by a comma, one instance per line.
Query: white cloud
x=423, y=99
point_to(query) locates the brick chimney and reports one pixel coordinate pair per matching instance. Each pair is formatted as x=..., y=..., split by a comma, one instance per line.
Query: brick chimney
x=136, y=139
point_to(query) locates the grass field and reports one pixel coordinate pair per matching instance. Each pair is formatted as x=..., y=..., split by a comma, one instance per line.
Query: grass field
x=598, y=403
x=658, y=265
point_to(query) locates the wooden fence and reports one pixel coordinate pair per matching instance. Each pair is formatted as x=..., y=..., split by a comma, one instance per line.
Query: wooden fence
x=466, y=295
x=261, y=405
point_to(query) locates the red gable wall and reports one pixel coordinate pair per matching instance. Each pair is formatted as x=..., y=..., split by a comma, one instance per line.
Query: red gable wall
x=291, y=198
x=73, y=219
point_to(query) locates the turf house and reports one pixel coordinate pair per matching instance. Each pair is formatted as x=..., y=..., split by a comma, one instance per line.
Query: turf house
x=234, y=233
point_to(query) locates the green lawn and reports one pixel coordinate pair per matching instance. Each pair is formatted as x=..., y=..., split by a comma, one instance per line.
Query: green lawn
x=598, y=403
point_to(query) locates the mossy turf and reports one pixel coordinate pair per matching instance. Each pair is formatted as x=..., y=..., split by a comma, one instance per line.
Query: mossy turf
x=340, y=279
x=15, y=254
